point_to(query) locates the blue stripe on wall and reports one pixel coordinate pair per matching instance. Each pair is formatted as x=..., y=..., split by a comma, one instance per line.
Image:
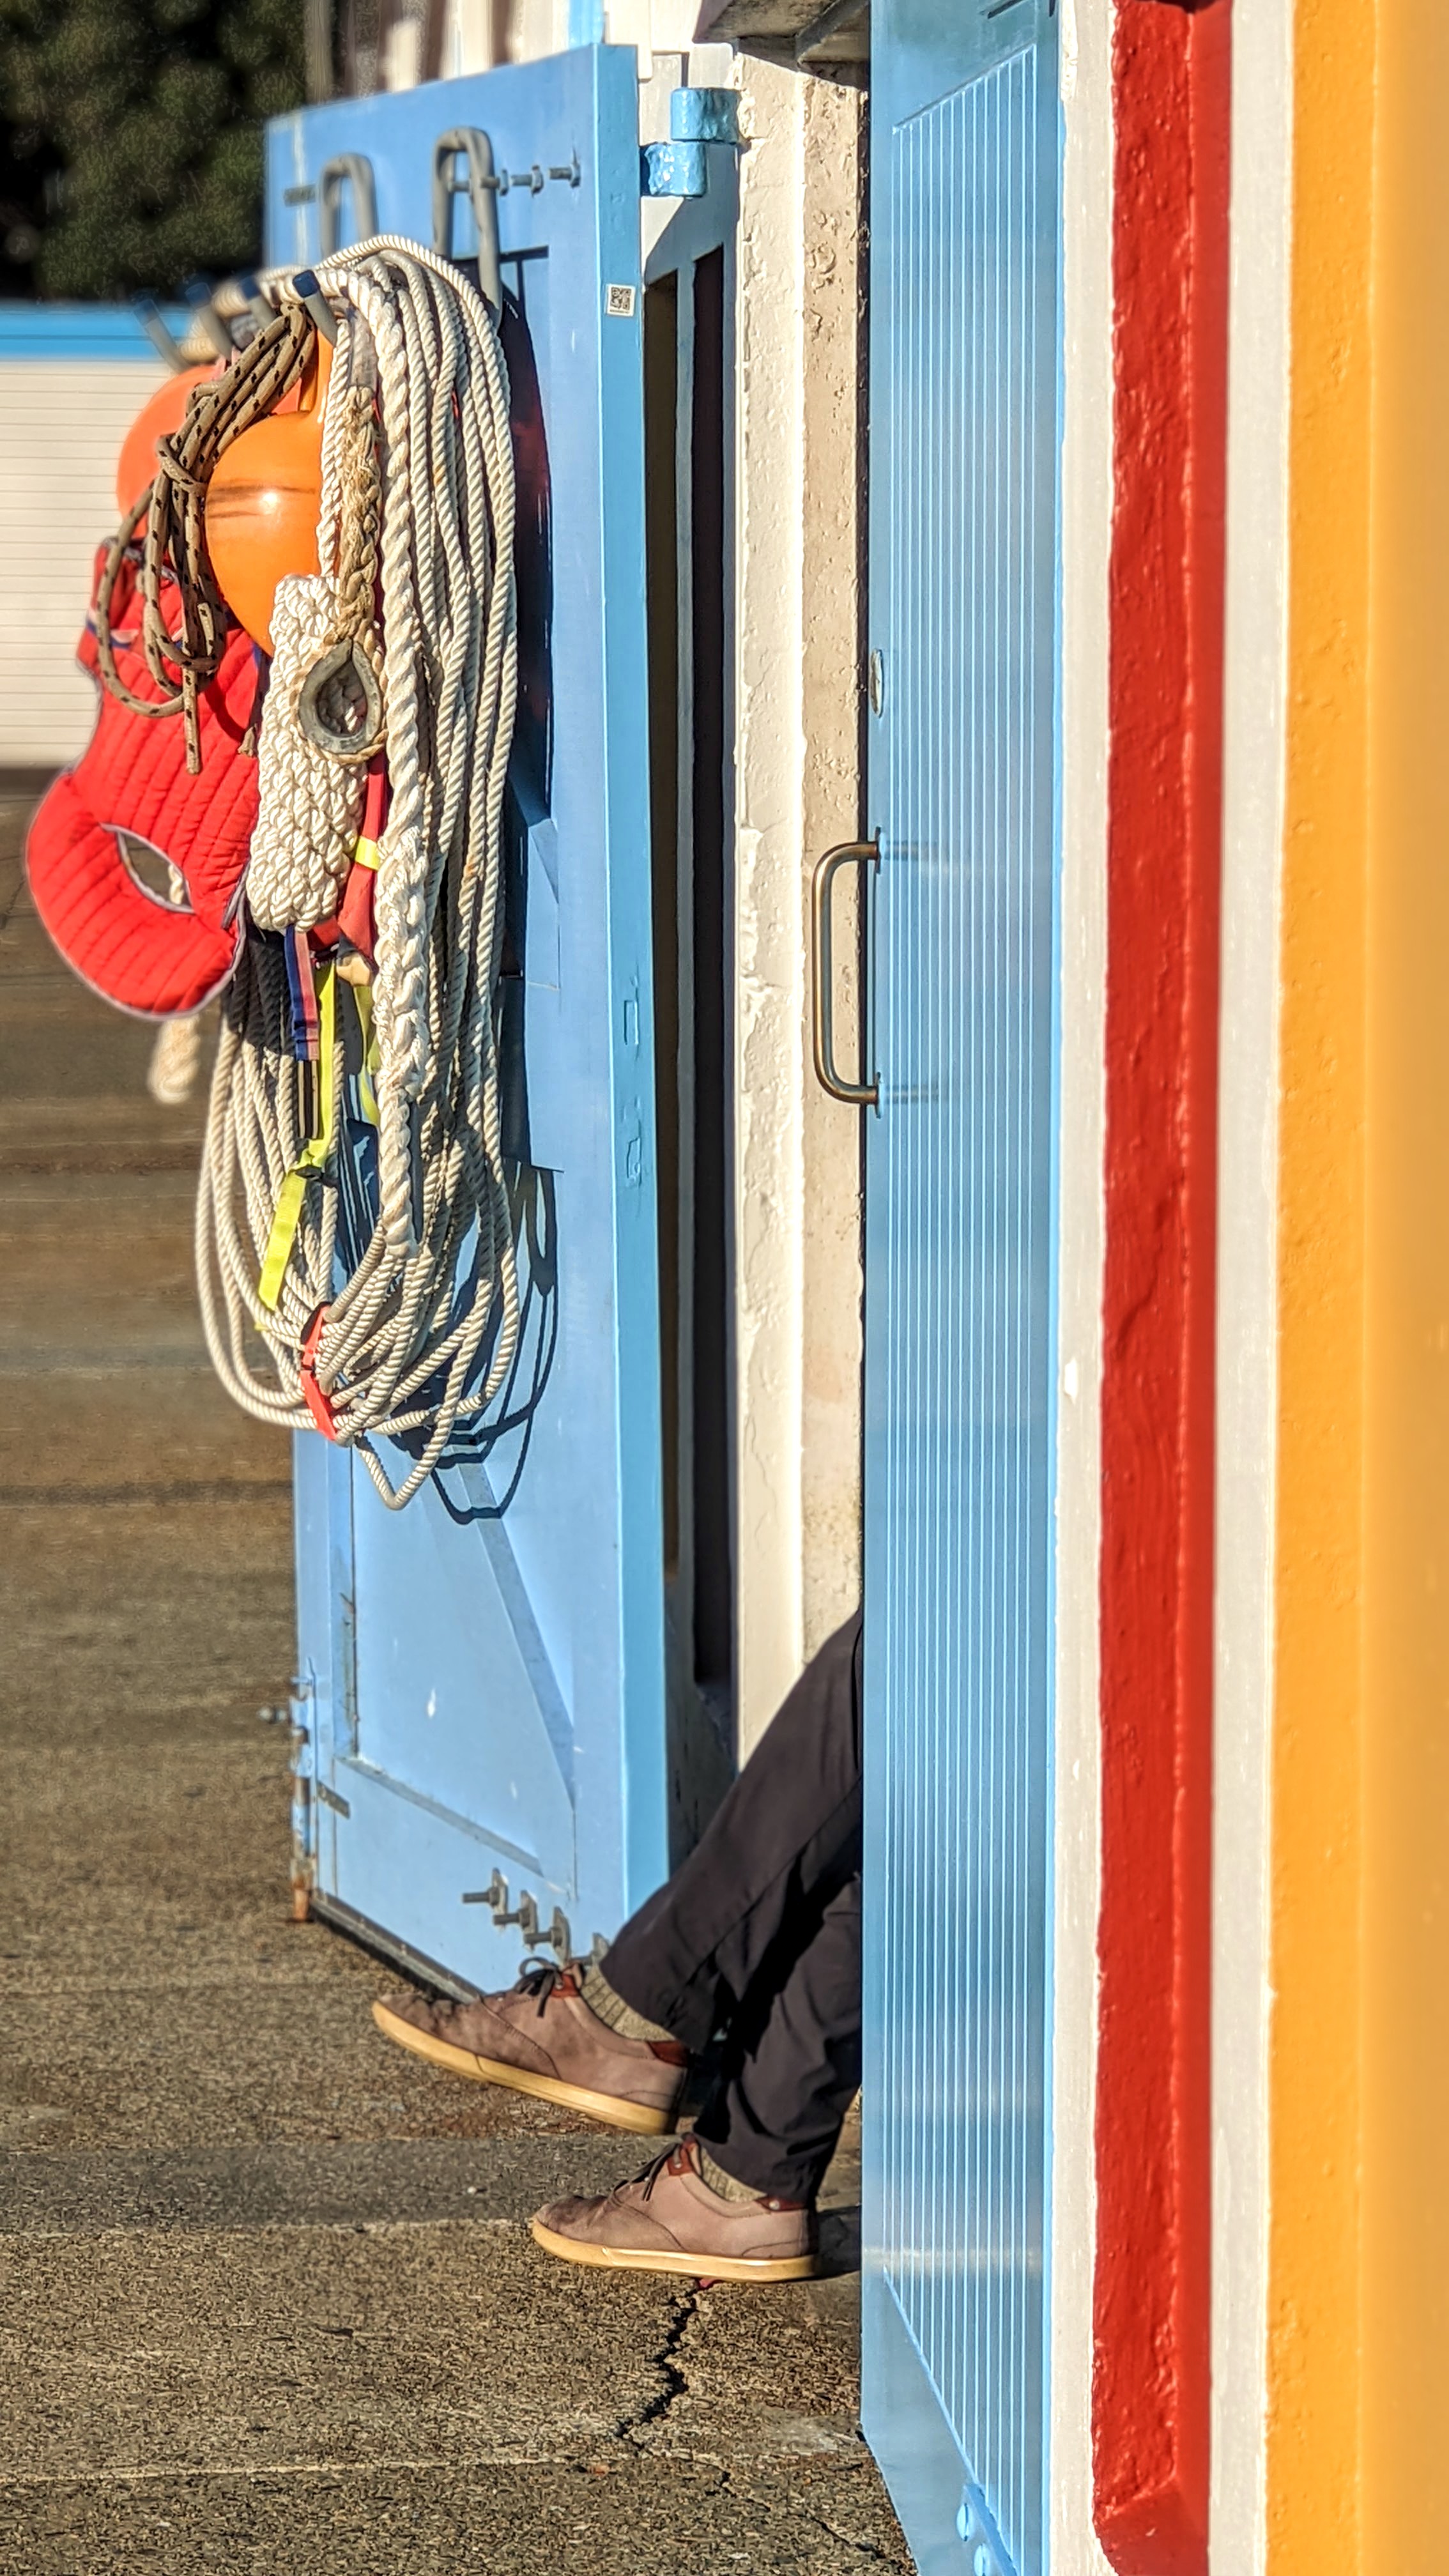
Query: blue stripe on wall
x=80, y=330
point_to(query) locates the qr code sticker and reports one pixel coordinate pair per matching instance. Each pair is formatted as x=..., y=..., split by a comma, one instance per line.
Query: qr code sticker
x=619, y=303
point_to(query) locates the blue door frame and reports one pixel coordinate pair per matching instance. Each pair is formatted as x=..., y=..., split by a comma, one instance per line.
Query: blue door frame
x=960, y=1273
x=482, y=1675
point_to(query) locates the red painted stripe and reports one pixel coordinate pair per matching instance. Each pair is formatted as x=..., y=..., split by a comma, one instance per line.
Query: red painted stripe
x=1152, y=2340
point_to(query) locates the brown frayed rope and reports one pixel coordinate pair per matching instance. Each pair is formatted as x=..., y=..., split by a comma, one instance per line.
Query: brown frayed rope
x=173, y=546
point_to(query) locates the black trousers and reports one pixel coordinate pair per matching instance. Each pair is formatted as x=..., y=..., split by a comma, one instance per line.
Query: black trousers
x=757, y=1934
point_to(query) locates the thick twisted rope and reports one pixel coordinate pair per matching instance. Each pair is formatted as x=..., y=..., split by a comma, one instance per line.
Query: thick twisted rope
x=419, y=1331
x=173, y=547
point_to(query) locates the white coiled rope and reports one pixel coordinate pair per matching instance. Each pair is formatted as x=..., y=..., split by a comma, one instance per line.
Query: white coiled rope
x=421, y=1329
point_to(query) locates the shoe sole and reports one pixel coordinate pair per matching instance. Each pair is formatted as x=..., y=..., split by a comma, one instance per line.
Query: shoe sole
x=608, y=2107
x=705, y=2267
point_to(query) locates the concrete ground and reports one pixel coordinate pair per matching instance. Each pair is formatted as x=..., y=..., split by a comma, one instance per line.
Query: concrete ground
x=269, y=2301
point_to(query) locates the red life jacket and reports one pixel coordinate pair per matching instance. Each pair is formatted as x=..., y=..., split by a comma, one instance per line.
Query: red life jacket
x=130, y=945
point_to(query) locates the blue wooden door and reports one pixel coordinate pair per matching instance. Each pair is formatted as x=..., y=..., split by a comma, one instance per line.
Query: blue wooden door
x=482, y=1673
x=959, y=1270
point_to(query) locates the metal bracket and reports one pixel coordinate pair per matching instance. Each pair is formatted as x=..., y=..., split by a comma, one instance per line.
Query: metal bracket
x=697, y=118
x=840, y=34
x=557, y=1938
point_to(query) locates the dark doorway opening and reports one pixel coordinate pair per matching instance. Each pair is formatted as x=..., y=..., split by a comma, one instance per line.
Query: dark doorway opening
x=687, y=534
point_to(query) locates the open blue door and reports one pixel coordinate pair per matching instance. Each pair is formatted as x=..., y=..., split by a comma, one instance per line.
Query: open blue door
x=960, y=1258
x=482, y=1688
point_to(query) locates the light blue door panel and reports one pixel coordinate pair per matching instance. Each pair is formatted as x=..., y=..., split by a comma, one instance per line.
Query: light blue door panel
x=484, y=1671
x=960, y=1272
x=489, y=1753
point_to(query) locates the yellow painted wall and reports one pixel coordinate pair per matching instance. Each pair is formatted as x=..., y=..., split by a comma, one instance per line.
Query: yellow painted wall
x=1313, y=2326
x=1405, y=2064
x=1358, y=2432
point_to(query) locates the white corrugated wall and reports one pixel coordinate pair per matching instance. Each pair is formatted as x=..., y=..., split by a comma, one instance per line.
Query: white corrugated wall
x=62, y=421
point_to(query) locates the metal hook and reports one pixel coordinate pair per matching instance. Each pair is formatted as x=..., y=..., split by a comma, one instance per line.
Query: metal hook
x=310, y=296
x=215, y=329
x=484, y=187
x=258, y=305
x=356, y=169
x=163, y=341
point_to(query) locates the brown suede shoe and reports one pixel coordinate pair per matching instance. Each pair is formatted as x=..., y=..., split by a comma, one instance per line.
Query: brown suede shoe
x=541, y=2038
x=668, y=2220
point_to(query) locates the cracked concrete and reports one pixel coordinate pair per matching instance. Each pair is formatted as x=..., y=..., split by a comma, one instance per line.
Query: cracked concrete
x=673, y=2382
x=268, y=2301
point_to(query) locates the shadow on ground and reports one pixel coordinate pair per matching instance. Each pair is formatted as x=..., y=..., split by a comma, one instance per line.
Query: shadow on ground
x=268, y=2299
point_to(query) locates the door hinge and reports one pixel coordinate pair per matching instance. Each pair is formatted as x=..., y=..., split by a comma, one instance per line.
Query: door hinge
x=697, y=118
x=304, y=1831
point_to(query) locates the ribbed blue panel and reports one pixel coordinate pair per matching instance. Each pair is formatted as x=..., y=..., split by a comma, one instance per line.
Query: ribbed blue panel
x=960, y=1302
x=487, y=1667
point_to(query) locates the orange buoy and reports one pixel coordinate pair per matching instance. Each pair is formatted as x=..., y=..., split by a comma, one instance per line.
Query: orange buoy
x=262, y=505
x=136, y=465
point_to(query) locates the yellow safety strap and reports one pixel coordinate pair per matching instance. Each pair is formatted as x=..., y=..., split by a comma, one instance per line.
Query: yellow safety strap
x=314, y=1153
x=371, y=1064
x=367, y=855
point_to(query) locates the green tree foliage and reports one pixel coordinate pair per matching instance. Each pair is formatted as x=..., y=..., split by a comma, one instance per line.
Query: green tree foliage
x=137, y=124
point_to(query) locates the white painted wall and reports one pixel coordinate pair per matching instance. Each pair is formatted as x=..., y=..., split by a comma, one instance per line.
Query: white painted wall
x=1086, y=545
x=797, y=696
x=62, y=421
x=1255, y=706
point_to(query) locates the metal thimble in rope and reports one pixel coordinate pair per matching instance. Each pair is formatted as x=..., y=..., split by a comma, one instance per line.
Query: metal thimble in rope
x=340, y=702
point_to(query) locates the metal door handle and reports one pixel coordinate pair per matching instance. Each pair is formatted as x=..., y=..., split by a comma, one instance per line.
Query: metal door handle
x=484, y=186
x=857, y=1095
x=356, y=169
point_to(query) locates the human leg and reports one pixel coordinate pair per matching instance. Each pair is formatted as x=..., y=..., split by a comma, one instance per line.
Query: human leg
x=783, y=1841
x=791, y=2066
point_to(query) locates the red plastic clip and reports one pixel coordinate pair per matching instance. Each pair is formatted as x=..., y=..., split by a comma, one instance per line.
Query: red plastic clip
x=316, y=1402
